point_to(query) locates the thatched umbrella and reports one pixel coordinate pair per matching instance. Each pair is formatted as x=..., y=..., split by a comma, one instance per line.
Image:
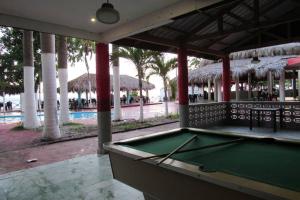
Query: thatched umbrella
x=80, y=84
x=240, y=68
x=274, y=58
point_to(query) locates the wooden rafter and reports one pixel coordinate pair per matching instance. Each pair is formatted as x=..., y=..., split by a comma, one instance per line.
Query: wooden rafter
x=246, y=27
x=171, y=43
x=211, y=18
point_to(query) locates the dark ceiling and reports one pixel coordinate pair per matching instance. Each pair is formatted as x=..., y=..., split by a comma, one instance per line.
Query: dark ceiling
x=229, y=26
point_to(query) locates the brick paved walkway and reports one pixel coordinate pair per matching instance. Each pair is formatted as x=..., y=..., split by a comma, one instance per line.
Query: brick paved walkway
x=16, y=160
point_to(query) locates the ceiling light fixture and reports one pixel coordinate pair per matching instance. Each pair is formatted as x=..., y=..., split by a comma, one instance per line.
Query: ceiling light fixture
x=107, y=14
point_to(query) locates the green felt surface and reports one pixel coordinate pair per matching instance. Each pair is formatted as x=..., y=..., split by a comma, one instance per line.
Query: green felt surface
x=275, y=163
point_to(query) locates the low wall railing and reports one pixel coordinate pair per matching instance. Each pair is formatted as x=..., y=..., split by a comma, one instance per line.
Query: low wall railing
x=203, y=115
x=238, y=113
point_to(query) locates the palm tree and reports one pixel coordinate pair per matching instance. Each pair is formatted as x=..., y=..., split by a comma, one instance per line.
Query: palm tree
x=30, y=114
x=161, y=67
x=195, y=62
x=140, y=58
x=62, y=55
x=51, y=129
x=82, y=50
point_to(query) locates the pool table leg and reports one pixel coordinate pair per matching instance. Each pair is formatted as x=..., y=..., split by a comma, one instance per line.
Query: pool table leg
x=149, y=197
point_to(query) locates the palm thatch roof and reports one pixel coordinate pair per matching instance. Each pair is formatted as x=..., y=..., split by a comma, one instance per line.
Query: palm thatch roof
x=80, y=84
x=273, y=59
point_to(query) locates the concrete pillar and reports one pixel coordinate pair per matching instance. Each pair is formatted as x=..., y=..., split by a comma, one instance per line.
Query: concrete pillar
x=51, y=128
x=116, y=87
x=103, y=95
x=30, y=109
x=237, y=88
x=226, y=82
x=209, y=90
x=183, y=87
x=282, y=86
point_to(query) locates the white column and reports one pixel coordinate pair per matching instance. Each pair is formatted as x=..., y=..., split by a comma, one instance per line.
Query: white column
x=30, y=114
x=282, y=86
x=117, y=105
x=237, y=88
x=215, y=89
x=64, y=101
x=219, y=83
x=209, y=89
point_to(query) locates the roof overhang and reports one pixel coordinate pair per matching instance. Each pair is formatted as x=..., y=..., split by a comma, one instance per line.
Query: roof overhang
x=67, y=18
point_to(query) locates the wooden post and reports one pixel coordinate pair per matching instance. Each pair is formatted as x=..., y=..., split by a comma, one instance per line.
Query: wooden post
x=215, y=90
x=282, y=86
x=226, y=79
x=209, y=90
x=237, y=88
x=294, y=85
x=249, y=86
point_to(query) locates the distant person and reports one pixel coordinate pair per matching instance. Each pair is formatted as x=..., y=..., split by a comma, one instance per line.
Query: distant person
x=9, y=105
x=94, y=102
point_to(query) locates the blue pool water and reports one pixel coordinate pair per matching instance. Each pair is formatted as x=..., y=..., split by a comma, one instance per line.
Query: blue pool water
x=73, y=115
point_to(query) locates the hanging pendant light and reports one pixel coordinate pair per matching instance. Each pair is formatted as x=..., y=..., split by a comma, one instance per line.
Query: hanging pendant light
x=107, y=14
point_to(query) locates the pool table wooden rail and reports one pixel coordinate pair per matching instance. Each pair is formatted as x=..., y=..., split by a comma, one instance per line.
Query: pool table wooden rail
x=162, y=181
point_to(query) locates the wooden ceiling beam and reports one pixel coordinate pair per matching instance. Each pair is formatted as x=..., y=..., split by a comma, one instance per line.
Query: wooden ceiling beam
x=211, y=18
x=174, y=44
x=239, y=18
x=246, y=27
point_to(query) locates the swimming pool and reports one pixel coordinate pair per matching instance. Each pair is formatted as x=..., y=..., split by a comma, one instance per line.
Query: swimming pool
x=73, y=116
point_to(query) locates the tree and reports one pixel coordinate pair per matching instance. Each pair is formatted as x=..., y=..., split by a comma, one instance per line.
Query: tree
x=30, y=114
x=51, y=129
x=195, y=63
x=140, y=58
x=81, y=50
x=11, y=60
x=62, y=55
x=161, y=67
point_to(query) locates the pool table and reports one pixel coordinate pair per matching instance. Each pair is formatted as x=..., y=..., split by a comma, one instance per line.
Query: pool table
x=211, y=166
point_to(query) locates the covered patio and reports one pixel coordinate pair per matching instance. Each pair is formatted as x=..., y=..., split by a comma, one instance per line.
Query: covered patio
x=206, y=29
